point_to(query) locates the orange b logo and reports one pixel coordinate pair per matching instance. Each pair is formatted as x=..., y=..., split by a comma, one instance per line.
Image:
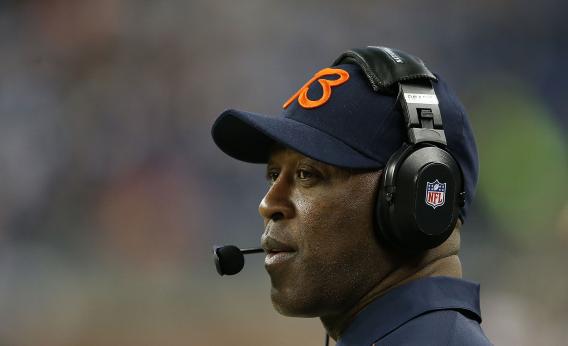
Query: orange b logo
x=326, y=84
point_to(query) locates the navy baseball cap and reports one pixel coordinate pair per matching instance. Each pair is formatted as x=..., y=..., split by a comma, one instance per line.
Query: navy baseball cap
x=338, y=119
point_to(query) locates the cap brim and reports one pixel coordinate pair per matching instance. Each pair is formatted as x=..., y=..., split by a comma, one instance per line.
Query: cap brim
x=249, y=137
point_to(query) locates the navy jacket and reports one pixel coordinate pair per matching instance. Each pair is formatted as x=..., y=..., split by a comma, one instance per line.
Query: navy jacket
x=435, y=311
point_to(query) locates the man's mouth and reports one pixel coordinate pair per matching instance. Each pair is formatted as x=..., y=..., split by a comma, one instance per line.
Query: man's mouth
x=277, y=257
x=277, y=252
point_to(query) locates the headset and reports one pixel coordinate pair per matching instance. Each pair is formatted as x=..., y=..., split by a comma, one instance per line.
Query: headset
x=421, y=188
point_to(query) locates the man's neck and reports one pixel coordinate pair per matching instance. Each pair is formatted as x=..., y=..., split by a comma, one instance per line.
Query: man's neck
x=433, y=264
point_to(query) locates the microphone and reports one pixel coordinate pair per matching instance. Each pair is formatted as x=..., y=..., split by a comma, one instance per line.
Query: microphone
x=229, y=259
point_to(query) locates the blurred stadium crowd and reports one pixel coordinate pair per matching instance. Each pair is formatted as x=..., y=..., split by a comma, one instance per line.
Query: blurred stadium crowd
x=112, y=192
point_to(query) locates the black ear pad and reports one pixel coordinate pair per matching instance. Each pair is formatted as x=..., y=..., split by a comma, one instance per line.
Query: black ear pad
x=419, y=197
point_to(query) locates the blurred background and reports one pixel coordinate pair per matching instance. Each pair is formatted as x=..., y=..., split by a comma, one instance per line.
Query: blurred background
x=112, y=191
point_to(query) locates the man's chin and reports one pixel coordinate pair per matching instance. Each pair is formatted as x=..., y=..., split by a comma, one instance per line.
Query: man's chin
x=292, y=305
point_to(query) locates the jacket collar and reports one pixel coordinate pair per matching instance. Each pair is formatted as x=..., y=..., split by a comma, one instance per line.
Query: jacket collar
x=404, y=303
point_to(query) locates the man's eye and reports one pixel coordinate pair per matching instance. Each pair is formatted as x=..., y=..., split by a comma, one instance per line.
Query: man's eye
x=272, y=176
x=303, y=174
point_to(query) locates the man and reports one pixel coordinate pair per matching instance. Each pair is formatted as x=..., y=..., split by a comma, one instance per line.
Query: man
x=361, y=229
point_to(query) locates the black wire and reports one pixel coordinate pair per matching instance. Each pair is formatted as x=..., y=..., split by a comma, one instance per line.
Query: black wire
x=326, y=340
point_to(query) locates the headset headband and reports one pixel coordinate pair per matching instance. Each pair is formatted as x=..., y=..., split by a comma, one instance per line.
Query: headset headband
x=385, y=68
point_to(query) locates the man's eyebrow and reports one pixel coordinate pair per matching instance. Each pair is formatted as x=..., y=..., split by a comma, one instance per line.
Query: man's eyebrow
x=312, y=161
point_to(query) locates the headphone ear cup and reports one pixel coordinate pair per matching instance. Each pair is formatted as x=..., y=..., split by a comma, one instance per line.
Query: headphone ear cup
x=418, y=201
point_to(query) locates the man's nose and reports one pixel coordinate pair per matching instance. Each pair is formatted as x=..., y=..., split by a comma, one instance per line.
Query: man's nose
x=276, y=204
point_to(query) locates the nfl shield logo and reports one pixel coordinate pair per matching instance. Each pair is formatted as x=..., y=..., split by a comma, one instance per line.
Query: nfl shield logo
x=435, y=194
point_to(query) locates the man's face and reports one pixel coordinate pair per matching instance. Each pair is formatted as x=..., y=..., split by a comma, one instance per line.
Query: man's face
x=322, y=255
